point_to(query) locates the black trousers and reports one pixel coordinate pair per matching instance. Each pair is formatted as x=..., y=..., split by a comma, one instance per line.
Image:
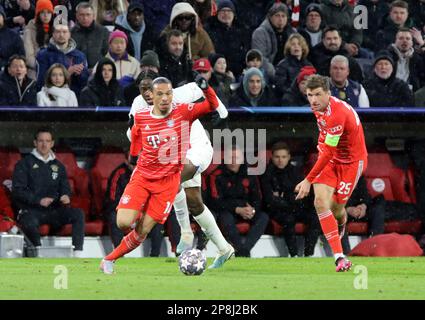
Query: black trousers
x=31, y=219
x=228, y=221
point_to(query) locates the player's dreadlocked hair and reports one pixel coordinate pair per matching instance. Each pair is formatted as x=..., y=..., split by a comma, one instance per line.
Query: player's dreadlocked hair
x=317, y=81
x=146, y=74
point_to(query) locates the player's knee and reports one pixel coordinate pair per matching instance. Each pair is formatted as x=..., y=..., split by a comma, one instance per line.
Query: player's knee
x=123, y=222
x=321, y=203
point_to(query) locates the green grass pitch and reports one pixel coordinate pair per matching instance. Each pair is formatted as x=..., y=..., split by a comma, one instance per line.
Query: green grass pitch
x=239, y=279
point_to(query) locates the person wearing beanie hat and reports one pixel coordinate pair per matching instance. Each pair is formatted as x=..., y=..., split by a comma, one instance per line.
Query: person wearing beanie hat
x=221, y=78
x=150, y=61
x=222, y=4
x=296, y=95
x=11, y=42
x=383, y=88
x=254, y=58
x=117, y=34
x=313, y=25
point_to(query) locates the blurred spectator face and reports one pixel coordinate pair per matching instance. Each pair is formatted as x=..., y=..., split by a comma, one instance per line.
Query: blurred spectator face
x=280, y=158
x=220, y=66
x=399, y=15
x=404, y=41
x=183, y=21
x=61, y=34
x=57, y=77
x=295, y=48
x=18, y=69
x=135, y=19
x=85, y=17
x=118, y=46
x=147, y=68
x=107, y=73
x=339, y=72
x=175, y=46
x=332, y=41
x=44, y=143
x=256, y=63
x=226, y=16
x=313, y=21
x=383, y=69
x=254, y=85
x=302, y=87
x=237, y=160
x=146, y=90
x=45, y=16
x=279, y=20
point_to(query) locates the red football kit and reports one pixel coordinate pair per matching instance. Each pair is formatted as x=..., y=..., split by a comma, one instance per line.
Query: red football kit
x=163, y=142
x=342, y=149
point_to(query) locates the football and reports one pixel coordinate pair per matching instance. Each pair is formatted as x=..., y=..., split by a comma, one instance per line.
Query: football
x=192, y=262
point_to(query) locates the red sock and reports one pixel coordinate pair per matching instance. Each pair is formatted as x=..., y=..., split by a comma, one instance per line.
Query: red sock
x=330, y=230
x=128, y=244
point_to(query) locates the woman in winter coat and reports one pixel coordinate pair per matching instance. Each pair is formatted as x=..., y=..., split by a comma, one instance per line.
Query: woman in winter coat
x=56, y=92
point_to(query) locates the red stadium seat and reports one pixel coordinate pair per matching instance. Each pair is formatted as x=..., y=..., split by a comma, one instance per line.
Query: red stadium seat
x=91, y=228
x=357, y=228
x=275, y=229
x=9, y=156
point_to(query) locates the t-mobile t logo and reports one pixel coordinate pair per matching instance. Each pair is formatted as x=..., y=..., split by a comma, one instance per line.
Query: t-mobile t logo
x=153, y=140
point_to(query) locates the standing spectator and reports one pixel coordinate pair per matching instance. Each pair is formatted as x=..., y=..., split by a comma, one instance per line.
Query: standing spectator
x=221, y=78
x=383, y=88
x=91, y=37
x=409, y=65
x=133, y=25
x=175, y=62
x=296, y=52
x=271, y=36
x=313, y=28
x=196, y=39
x=56, y=92
x=254, y=92
x=10, y=43
x=63, y=49
x=297, y=93
x=237, y=198
x=230, y=38
x=18, y=13
x=16, y=88
x=42, y=193
x=278, y=184
x=106, y=11
x=37, y=34
x=103, y=89
x=343, y=88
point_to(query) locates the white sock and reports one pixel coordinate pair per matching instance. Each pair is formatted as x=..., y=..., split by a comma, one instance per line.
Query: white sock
x=182, y=212
x=209, y=226
x=338, y=255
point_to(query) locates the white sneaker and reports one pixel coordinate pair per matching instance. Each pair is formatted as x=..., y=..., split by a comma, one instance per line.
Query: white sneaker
x=185, y=243
x=107, y=266
x=78, y=253
x=222, y=258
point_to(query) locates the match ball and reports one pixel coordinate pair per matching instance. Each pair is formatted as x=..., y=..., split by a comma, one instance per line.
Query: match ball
x=192, y=262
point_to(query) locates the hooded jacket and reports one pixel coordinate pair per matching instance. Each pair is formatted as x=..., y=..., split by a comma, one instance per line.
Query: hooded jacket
x=56, y=97
x=10, y=44
x=12, y=94
x=97, y=93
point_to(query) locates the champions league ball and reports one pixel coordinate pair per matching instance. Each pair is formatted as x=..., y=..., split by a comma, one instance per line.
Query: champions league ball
x=192, y=262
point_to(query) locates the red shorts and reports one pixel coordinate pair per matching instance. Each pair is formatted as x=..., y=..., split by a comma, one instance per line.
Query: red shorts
x=343, y=177
x=155, y=197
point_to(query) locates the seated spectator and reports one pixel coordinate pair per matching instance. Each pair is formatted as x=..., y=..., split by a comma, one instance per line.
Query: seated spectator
x=117, y=181
x=339, y=14
x=343, y=88
x=409, y=65
x=237, y=198
x=56, y=92
x=18, y=13
x=254, y=92
x=37, y=34
x=270, y=37
x=332, y=45
x=133, y=25
x=127, y=67
x=41, y=192
x=106, y=11
x=17, y=89
x=230, y=38
x=296, y=96
x=221, y=77
x=7, y=216
x=91, y=37
x=196, y=39
x=278, y=184
x=296, y=52
x=313, y=29
x=104, y=89
x=11, y=42
x=63, y=49
x=397, y=18
x=175, y=63
x=383, y=88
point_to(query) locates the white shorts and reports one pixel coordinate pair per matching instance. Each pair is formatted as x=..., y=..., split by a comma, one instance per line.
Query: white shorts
x=201, y=157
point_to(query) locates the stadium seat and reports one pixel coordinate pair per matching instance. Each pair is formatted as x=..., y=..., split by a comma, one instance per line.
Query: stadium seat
x=275, y=229
x=9, y=156
x=91, y=228
x=357, y=228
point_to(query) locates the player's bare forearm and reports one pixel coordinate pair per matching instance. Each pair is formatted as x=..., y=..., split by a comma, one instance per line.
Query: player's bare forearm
x=302, y=189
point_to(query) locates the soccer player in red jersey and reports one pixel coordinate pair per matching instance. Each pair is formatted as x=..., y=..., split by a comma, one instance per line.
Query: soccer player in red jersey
x=342, y=160
x=161, y=135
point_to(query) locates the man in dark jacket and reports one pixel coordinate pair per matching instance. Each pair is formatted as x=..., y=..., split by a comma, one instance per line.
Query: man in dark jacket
x=16, y=88
x=42, y=193
x=11, y=43
x=278, y=184
x=91, y=37
x=237, y=198
x=383, y=88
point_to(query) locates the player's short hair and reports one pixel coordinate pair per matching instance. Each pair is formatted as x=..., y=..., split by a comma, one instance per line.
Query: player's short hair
x=161, y=80
x=44, y=129
x=399, y=4
x=317, y=81
x=280, y=145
